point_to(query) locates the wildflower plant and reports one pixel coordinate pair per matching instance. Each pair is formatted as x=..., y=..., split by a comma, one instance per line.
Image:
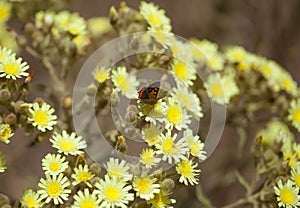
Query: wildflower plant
x=134, y=129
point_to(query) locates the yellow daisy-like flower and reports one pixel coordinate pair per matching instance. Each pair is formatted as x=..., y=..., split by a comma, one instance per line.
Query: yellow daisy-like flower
x=176, y=116
x=145, y=187
x=70, y=22
x=118, y=169
x=125, y=83
x=101, y=74
x=113, y=192
x=42, y=117
x=155, y=17
x=54, y=164
x=85, y=199
x=161, y=200
x=287, y=83
x=295, y=171
x=82, y=174
x=54, y=188
x=170, y=149
x=287, y=194
x=276, y=131
x=148, y=158
x=221, y=89
x=202, y=48
x=184, y=74
x=31, y=199
x=5, y=133
x=271, y=71
x=5, y=8
x=195, y=145
x=238, y=55
x=13, y=68
x=188, y=100
x=294, y=113
x=2, y=163
x=68, y=143
x=81, y=41
x=215, y=61
x=188, y=172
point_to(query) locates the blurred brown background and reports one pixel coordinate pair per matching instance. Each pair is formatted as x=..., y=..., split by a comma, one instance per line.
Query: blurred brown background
x=267, y=27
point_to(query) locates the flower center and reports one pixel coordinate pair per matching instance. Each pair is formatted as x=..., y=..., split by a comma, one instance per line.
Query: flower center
x=267, y=70
x=41, y=118
x=88, y=203
x=155, y=20
x=297, y=180
x=181, y=70
x=11, y=68
x=112, y=194
x=31, y=202
x=217, y=90
x=3, y=13
x=185, y=169
x=83, y=176
x=148, y=158
x=287, y=196
x=296, y=115
x=123, y=83
x=54, y=166
x=174, y=114
x=54, y=189
x=67, y=145
x=143, y=185
x=168, y=147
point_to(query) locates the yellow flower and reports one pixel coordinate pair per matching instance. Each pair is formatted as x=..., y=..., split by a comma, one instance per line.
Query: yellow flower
x=113, y=192
x=5, y=133
x=13, y=68
x=42, y=117
x=188, y=172
x=5, y=8
x=54, y=188
x=101, y=74
x=294, y=113
x=176, y=116
x=82, y=174
x=31, y=199
x=83, y=199
x=148, y=158
x=68, y=143
x=184, y=74
x=145, y=187
x=155, y=17
x=125, y=83
x=287, y=194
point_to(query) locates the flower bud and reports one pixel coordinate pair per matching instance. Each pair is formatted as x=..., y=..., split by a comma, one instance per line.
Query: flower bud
x=114, y=98
x=29, y=27
x=10, y=119
x=67, y=102
x=95, y=168
x=167, y=185
x=3, y=200
x=130, y=117
x=4, y=95
x=92, y=89
x=121, y=145
x=113, y=15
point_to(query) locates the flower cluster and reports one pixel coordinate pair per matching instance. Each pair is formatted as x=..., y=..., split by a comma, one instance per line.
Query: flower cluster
x=161, y=113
